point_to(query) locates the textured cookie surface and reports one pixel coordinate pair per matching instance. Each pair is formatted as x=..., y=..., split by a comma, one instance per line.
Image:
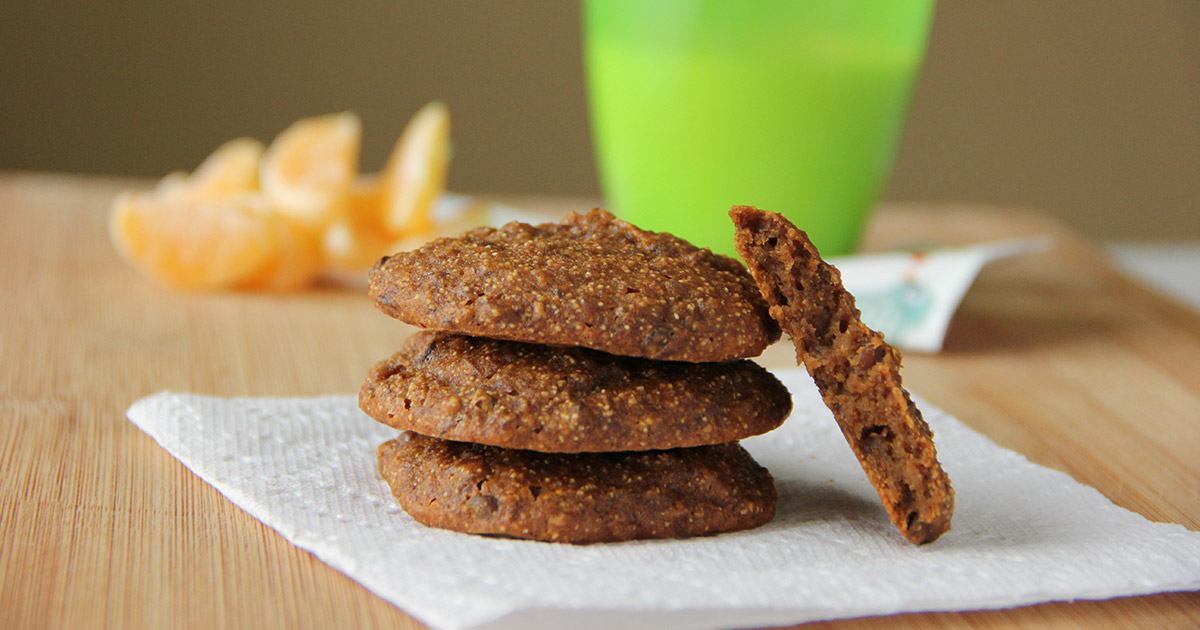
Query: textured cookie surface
x=546, y=398
x=591, y=280
x=577, y=498
x=857, y=373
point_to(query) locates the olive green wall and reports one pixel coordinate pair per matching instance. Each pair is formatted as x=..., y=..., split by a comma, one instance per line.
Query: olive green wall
x=1086, y=108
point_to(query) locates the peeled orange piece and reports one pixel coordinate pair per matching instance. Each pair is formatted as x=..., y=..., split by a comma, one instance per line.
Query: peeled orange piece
x=232, y=168
x=194, y=243
x=293, y=260
x=357, y=238
x=458, y=220
x=416, y=171
x=308, y=170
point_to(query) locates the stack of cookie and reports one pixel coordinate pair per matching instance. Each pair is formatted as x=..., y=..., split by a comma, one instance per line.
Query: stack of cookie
x=577, y=382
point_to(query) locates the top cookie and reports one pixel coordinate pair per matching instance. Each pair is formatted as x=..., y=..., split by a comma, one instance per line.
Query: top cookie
x=857, y=373
x=591, y=280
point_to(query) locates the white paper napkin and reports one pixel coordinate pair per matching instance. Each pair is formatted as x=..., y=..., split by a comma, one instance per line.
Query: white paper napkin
x=1022, y=533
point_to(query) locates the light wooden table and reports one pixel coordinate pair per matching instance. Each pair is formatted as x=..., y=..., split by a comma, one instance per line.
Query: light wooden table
x=1056, y=356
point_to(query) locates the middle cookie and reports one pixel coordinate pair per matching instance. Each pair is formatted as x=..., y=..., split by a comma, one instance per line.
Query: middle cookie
x=567, y=400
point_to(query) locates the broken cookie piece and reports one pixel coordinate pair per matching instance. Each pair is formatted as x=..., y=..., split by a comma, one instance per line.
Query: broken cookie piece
x=856, y=371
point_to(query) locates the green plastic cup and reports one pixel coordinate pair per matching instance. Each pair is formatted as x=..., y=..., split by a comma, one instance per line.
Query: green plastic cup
x=795, y=106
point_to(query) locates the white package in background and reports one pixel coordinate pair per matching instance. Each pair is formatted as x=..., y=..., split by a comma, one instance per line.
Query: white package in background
x=911, y=297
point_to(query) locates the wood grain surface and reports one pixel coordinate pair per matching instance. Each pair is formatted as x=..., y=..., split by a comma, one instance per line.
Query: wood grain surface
x=1056, y=356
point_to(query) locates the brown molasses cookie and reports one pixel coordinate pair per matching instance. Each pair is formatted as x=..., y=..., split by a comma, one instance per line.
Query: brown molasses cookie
x=567, y=400
x=577, y=498
x=857, y=373
x=591, y=280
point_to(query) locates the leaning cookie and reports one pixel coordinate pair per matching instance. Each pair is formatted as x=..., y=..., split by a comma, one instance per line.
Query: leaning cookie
x=567, y=400
x=591, y=280
x=857, y=373
x=577, y=498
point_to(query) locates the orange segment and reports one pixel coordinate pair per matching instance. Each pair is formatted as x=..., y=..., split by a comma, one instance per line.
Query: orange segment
x=232, y=168
x=173, y=184
x=357, y=238
x=293, y=261
x=308, y=170
x=466, y=217
x=416, y=171
x=193, y=244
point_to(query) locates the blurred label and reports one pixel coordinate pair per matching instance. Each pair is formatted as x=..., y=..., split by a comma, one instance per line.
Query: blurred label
x=910, y=297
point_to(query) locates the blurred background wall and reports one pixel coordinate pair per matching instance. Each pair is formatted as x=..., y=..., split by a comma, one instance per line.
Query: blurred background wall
x=1089, y=109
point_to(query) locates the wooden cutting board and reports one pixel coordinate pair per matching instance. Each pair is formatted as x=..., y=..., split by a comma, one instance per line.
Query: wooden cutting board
x=1056, y=356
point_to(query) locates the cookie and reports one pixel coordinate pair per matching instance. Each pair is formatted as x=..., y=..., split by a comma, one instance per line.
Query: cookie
x=577, y=498
x=591, y=280
x=857, y=373
x=567, y=400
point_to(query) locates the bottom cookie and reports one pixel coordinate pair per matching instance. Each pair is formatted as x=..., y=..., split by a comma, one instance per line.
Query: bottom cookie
x=577, y=498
